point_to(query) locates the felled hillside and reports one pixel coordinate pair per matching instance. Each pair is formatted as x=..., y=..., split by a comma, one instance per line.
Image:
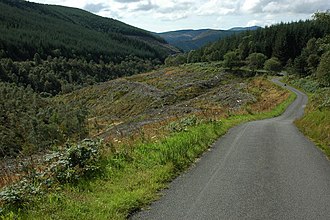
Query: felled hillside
x=125, y=112
x=121, y=106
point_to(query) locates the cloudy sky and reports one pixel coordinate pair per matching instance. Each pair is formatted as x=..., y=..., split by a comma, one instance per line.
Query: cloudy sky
x=167, y=15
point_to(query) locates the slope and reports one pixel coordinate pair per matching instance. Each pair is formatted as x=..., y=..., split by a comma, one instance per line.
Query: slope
x=183, y=109
x=121, y=106
x=28, y=28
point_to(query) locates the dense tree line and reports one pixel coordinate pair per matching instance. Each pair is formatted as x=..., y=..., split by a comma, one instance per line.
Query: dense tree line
x=284, y=41
x=302, y=47
x=30, y=123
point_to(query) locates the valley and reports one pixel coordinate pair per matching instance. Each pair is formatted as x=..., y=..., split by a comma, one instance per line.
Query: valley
x=188, y=40
x=98, y=117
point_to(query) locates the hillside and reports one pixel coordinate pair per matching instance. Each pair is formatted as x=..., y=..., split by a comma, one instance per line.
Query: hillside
x=28, y=28
x=154, y=125
x=165, y=95
x=252, y=28
x=121, y=106
x=188, y=40
x=55, y=49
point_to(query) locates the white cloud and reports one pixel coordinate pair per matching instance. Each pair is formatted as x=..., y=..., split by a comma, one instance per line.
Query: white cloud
x=161, y=15
x=263, y=22
x=145, y=6
x=127, y=1
x=254, y=23
x=274, y=7
x=217, y=7
x=249, y=6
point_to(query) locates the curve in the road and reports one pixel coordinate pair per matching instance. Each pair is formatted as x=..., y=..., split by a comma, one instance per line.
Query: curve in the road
x=259, y=170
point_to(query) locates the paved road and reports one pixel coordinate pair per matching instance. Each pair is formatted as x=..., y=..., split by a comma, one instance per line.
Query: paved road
x=259, y=170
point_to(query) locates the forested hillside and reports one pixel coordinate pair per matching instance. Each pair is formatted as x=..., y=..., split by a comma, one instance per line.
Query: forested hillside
x=28, y=28
x=284, y=41
x=56, y=49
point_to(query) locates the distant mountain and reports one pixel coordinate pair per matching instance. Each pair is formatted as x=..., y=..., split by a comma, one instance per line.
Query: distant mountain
x=187, y=40
x=252, y=28
x=27, y=28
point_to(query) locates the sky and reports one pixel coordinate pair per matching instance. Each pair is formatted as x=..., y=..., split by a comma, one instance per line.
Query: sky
x=169, y=15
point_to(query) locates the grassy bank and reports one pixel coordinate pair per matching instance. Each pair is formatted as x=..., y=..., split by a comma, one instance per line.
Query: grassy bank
x=315, y=123
x=134, y=174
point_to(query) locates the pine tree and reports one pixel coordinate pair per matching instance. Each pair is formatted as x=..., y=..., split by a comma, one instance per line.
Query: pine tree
x=323, y=70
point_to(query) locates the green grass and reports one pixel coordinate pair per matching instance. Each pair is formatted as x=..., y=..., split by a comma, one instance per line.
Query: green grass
x=134, y=175
x=315, y=123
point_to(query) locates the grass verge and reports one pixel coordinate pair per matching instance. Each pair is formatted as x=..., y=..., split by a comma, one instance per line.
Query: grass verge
x=315, y=123
x=135, y=174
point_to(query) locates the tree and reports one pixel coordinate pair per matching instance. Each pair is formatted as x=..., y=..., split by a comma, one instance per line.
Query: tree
x=273, y=65
x=3, y=74
x=244, y=47
x=256, y=60
x=312, y=62
x=194, y=56
x=323, y=70
x=323, y=17
x=230, y=60
x=300, y=65
x=37, y=59
x=176, y=60
x=2, y=54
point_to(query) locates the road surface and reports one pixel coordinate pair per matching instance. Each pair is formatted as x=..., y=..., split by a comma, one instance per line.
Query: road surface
x=259, y=170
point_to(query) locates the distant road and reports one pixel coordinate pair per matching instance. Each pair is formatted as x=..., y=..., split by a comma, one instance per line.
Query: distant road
x=259, y=170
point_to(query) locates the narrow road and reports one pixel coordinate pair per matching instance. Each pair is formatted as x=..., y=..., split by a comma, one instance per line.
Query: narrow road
x=259, y=170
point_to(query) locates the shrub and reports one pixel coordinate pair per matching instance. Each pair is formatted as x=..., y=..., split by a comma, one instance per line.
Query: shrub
x=183, y=124
x=176, y=60
x=74, y=162
x=230, y=60
x=273, y=65
x=20, y=193
x=78, y=160
x=256, y=60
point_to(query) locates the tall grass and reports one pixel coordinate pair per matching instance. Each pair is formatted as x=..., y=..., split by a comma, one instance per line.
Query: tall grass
x=316, y=125
x=135, y=174
x=316, y=121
